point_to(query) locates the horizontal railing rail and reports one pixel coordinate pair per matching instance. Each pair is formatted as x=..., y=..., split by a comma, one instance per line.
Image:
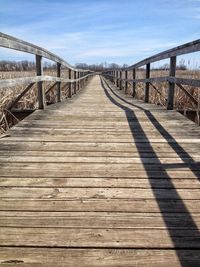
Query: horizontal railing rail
x=117, y=74
x=76, y=77
x=12, y=82
x=11, y=42
x=176, y=51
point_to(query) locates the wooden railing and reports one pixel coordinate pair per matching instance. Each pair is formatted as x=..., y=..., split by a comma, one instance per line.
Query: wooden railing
x=79, y=75
x=117, y=74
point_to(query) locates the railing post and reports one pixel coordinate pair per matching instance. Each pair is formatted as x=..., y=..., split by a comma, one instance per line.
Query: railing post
x=79, y=75
x=120, y=81
x=39, y=72
x=75, y=84
x=114, y=76
x=117, y=76
x=172, y=73
x=134, y=84
x=126, y=83
x=58, y=83
x=70, y=84
x=83, y=81
x=146, y=93
x=78, y=83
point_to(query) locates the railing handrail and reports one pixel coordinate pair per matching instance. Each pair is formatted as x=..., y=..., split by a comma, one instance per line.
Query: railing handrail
x=76, y=77
x=191, y=47
x=26, y=80
x=11, y=42
x=186, y=48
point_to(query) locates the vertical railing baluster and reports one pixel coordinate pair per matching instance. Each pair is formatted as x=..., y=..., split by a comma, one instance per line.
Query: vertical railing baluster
x=70, y=84
x=39, y=72
x=78, y=83
x=58, y=83
x=134, y=84
x=146, y=93
x=120, y=81
x=83, y=81
x=172, y=73
x=117, y=81
x=126, y=83
x=75, y=83
x=114, y=73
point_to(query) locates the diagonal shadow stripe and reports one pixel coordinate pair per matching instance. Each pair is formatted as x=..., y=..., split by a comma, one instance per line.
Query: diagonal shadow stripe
x=187, y=239
x=180, y=151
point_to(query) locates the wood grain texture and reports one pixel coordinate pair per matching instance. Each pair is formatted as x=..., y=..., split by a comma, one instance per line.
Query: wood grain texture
x=23, y=46
x=48, y=257
x=176, y=51
x=100, y=180
x=27, y=80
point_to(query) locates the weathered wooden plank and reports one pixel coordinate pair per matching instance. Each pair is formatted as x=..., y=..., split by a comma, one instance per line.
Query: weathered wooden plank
x=107, y=193
x=111, y=147
x=99, y=205
x=64, y=237
x=58, y=83
x=95, y=186
x=160, y=154
x=98, y=220
x=101, y=139
x=98, y=170
x=51, y=257
x=17, y=44
x=172, y=73
x=40, y=88
x=67, y=150
x=124, y=182
x=12, y=82
x=146, y=128
x=109, y=159
x=91, y=121
x=41, y=78
x=184, y=81
x=95, y=215
x=146, y=92
x=31, y=172
x=176, y=51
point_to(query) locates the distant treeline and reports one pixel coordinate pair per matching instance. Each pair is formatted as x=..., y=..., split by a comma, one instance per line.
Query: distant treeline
x=105, y=66
x=26, y=65
x=100, y=67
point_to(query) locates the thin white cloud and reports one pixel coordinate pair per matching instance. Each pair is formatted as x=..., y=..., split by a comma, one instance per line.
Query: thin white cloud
x=98, y=31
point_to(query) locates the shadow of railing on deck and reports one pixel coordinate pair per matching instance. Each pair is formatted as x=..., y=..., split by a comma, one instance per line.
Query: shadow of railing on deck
x=179, y=150
x=192, y=235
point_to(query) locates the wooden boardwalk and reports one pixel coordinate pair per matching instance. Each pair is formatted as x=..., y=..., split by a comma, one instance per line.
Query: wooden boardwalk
x=100, y=180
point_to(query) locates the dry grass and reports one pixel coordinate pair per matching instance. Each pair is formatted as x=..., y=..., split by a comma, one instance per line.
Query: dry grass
x=159, y=96
x=29, y=100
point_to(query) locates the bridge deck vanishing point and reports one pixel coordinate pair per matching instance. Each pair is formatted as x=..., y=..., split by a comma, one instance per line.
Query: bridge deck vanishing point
x=100, y=180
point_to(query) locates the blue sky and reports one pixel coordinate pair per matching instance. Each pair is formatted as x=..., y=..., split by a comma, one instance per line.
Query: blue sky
x=95, y=31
